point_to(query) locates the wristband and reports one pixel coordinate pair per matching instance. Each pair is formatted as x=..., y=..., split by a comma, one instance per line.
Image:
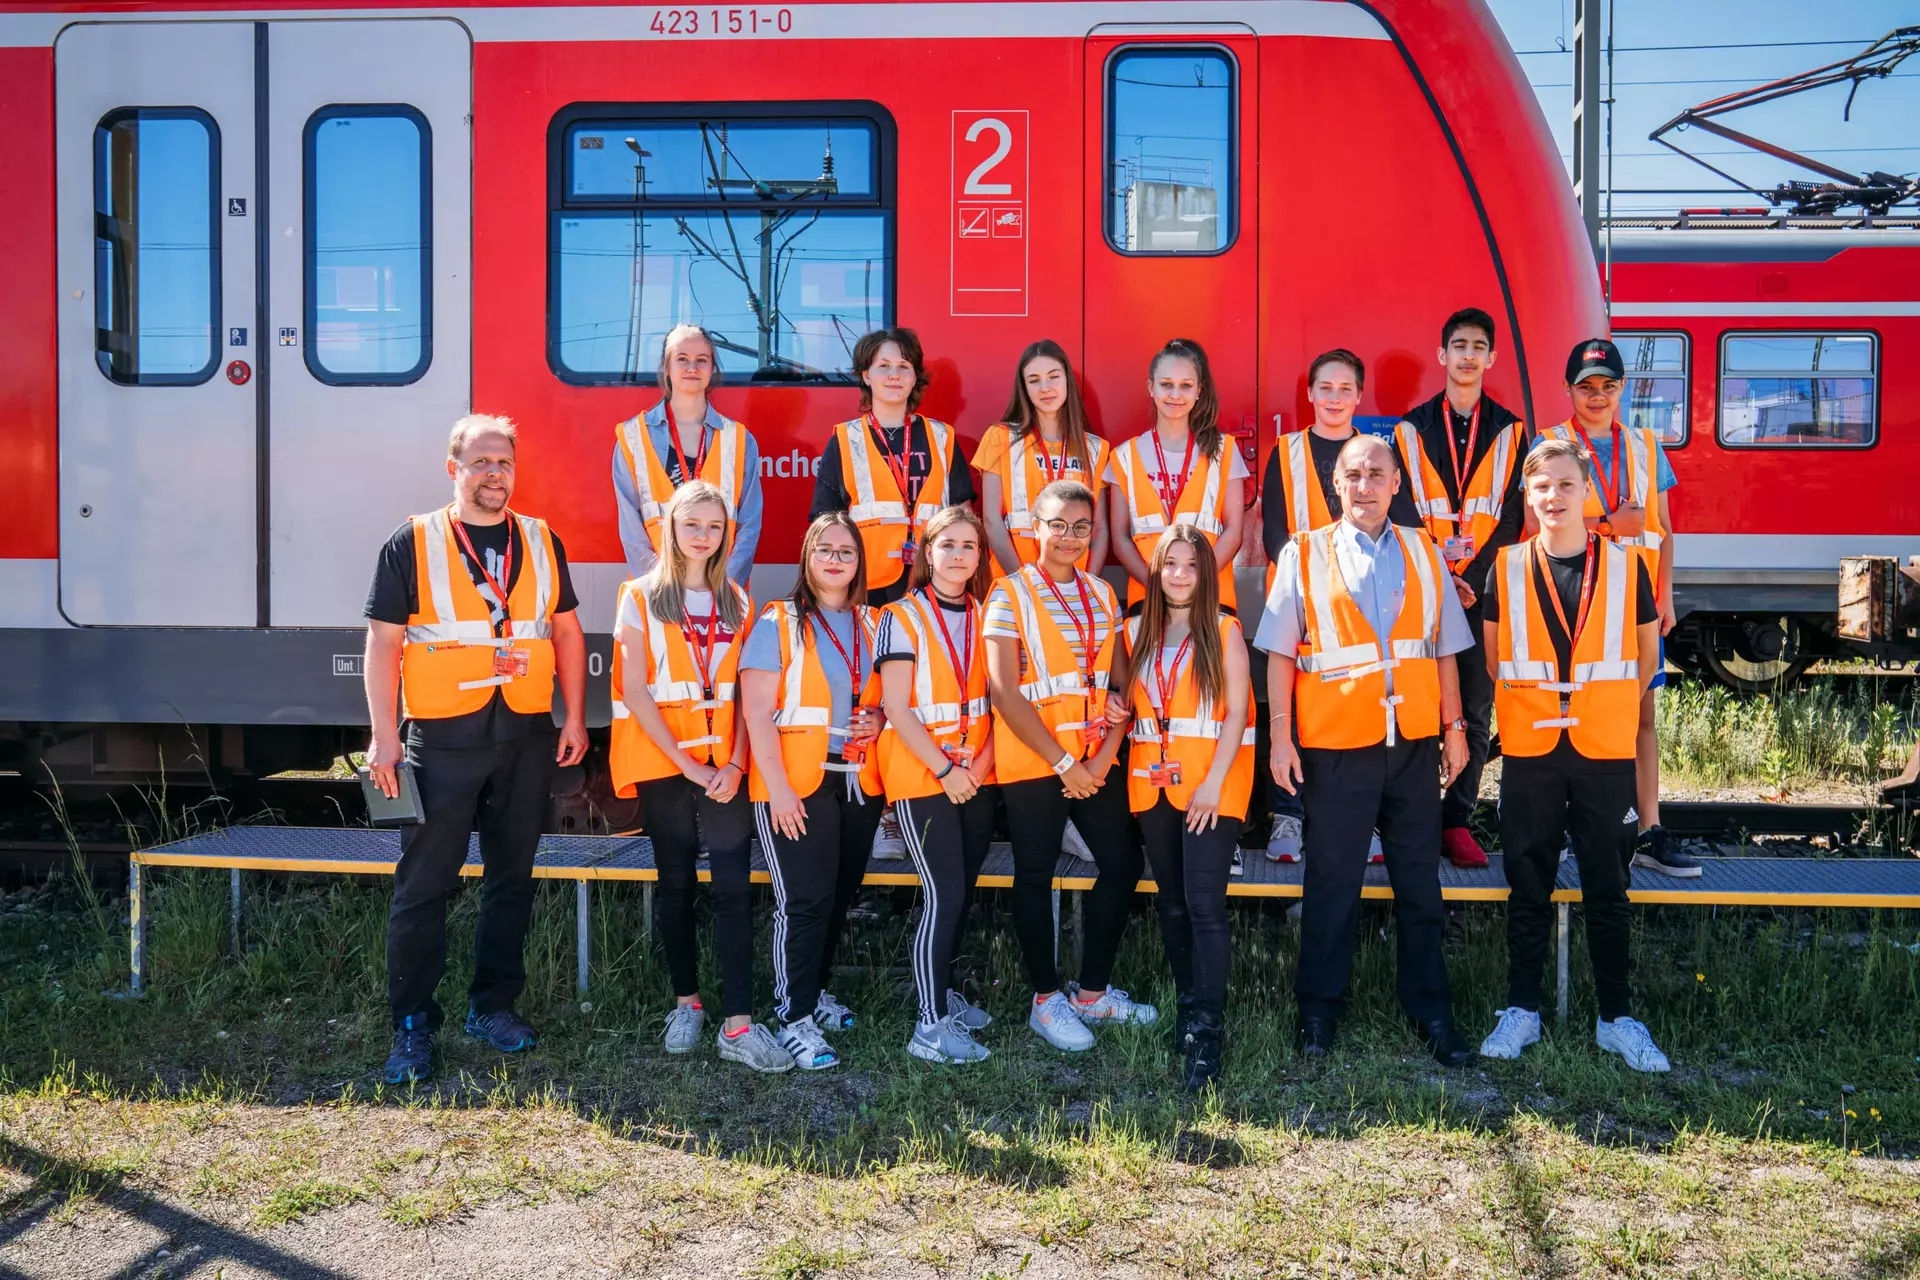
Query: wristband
x=944, y=772
x=1064, y=763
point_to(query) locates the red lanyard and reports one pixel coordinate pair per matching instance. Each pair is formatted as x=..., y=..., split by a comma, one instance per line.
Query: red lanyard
x=853, y=663
x=1166, y=681
x=963, y=671
x=506, y=564
x=902, y=468
x=1090, y=632
x=1610, y=486
x=703, y=650
x=1166, y=484
x=673, y=439
x=1047, y=472
x=1473, y=438
x=1588, y=575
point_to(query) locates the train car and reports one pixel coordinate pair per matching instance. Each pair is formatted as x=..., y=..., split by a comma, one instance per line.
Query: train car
x=255, y=259
x=1779, y=359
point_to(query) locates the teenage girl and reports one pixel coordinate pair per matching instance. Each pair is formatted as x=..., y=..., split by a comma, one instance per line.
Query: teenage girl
x=1041, y=438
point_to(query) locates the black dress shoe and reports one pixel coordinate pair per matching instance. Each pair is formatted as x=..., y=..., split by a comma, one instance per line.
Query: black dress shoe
x=1316, y=1036
x=1445, y=1043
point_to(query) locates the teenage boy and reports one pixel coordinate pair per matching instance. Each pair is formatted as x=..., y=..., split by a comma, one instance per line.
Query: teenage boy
x=1300, y=497
x=1571, y=635
x=1461, y=455
x=1627, y=503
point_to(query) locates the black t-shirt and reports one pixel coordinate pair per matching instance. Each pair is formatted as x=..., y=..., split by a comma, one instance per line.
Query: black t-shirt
x=896, y=644
x=1568, y=573
x=394, y=596
x=1276, y=514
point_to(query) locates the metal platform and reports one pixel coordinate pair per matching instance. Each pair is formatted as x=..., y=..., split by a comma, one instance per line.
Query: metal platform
x=1756, y=881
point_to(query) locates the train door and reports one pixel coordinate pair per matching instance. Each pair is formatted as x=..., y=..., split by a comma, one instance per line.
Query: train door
x=263, y=271
x=1172, y=124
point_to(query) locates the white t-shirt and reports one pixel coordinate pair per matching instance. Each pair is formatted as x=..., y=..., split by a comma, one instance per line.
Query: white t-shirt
x=1150, y=461
x=631, y=626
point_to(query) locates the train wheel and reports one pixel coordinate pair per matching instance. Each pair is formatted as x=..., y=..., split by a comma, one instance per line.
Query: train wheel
x=1754, y=655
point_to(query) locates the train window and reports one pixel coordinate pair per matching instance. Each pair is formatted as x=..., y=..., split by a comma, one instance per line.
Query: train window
x=1170, y=150
x=1656, y=393
x=156, y=256
x=369, y=220
x=1788, y=389
x=771, y=228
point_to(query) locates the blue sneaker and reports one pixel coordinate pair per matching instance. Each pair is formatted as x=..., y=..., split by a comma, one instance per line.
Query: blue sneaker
x=411, y=1061
x=503, y=1030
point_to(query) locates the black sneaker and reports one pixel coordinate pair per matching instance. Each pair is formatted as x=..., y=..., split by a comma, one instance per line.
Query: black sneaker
x=503, y=1029
x=411, y=1061
x=1654, y=852
x=1202, y=1048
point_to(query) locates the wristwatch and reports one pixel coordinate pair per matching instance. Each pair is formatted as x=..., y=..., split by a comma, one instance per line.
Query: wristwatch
x=1457, y=723
x=1604, y=528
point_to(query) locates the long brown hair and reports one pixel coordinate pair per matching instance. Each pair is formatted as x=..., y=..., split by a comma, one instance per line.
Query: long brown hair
x=805, y=603
x=922, y=574
x=1204, y=422
x=1022, y=416
x=665, y=583
x=1203, y=616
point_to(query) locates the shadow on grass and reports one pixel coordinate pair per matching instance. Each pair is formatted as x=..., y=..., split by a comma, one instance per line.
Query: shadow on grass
x=59, y=1183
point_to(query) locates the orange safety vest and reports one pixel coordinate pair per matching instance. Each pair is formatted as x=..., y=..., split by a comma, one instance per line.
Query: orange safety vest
x=879, y=509
x=803, y=708
x=1300, y=491
x=1193, y=726
x=1599, y=705
x=1642, y=462
x=1051, y=677
x=704, y=729
x=1481, y=503
x=447, y=664
x=725, y=469
x=1202, y=504
x=1023, y=474
x=937, y=698
x=1340, y=681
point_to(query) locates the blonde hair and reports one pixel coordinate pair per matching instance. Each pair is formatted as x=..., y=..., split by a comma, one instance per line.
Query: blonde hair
x=479, y=424
x=922, y=574
x=665, y=583
x=1547, y=450
x=676, y=334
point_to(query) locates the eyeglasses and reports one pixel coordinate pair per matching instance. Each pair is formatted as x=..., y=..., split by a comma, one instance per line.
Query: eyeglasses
x=1061, y=529
x=837, y=555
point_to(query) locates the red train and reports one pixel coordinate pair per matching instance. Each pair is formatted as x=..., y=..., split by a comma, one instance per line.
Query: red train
x=254, y=260
x=1780, y=359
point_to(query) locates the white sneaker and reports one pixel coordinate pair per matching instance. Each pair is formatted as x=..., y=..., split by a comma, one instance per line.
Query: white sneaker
x=683, y=1027
x=1074, y=843
x=754, y=1048
x=1114, y=1008
x=887, y=843
x=946, y=1041
x=808, y=1048
x=1055, y=1021
x=1517, y=1029
x=1284, y=844
x=1631, y=1040
x=831, y=1014
x=1375, y=854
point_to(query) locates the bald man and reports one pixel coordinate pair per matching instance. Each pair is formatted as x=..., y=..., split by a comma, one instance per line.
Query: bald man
x=1360, y=629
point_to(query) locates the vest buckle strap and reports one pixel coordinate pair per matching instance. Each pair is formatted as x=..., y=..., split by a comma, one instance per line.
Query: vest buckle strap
x=840, y=766
x=488, y=683
x=1364, y=669
x=1558, y=686
x=1393, y=721
x=710, y=739
x=715, y=705
x=1562, y=722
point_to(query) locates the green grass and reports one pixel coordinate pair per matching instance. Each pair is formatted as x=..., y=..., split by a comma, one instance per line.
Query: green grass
x=1818, y=731
x=252, y=1085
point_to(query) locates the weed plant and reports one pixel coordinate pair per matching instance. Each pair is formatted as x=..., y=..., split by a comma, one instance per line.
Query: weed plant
x=1852, y=732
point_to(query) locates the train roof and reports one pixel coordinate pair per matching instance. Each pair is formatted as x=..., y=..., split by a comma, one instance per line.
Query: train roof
x=1743, y=237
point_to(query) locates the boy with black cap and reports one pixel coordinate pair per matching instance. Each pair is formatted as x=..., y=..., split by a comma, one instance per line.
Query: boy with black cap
x=1627, y=502
x=1460, y=453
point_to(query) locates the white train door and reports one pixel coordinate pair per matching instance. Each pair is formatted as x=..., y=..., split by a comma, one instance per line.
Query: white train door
x=264, y=274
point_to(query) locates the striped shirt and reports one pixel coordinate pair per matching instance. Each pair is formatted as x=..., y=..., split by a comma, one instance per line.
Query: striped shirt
x=1065, y=608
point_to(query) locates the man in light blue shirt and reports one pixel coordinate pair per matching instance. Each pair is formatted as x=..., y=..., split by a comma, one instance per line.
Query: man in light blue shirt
x=1392, y=786
x=639, y=549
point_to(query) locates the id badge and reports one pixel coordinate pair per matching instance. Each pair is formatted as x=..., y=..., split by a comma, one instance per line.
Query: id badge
x=1457, y=549
x=854, y=753
x=962, y=757
x=512, y=663
x=1164, y=775
x=906, y=551
x=1095, y=733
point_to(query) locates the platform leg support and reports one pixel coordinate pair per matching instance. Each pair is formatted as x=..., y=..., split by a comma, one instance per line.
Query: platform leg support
x=233, y=913
x=1079, y=927
x=582, y=913
x=137, y=920
x=1560, y=947
x=1056, y=924
x=646, y=909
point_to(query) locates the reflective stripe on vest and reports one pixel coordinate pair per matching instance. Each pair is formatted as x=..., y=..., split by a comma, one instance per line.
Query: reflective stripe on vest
x=1642, y=463
x=1347, y=658
x=434, y=661
x=1193, y=729
x=1598, y=704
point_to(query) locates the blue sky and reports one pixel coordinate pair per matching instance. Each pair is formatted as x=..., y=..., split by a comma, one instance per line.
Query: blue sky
x=1654, y=81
